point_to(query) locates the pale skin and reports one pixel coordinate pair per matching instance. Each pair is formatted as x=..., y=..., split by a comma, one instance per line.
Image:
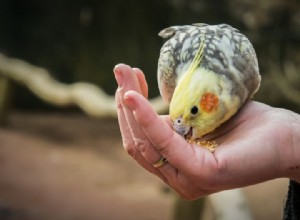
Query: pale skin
x=260, y=143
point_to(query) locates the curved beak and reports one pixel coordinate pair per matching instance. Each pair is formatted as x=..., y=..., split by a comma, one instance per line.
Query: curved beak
x=181, y=128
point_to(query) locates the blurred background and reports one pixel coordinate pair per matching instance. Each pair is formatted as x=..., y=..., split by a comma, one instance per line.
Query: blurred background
x=59, y=163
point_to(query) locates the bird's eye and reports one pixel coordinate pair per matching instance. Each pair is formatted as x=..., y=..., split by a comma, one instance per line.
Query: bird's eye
x=194, y=110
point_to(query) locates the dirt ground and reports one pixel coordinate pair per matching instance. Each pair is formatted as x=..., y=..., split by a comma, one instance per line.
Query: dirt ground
x=71, y=167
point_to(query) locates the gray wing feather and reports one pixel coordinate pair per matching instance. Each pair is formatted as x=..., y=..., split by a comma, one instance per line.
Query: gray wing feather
x=180, y=49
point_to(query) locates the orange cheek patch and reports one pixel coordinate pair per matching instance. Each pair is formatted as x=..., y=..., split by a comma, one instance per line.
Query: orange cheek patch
x=209, y=102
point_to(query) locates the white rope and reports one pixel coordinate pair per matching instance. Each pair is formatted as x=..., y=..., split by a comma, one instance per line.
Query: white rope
x=231, y=205
x=90, y=98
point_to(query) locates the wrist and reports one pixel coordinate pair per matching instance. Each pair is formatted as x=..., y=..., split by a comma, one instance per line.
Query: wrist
x=290, y=146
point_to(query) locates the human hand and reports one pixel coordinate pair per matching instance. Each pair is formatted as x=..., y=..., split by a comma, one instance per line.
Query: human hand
x=254, y=146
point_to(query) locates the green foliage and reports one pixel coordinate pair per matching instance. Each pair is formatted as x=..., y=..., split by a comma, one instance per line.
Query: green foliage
x=82, y=40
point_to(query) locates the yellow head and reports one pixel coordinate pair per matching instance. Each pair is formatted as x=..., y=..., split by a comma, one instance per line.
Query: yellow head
x=201, y=103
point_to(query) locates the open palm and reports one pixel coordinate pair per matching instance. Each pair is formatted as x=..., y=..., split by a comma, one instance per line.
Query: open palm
x=251, y=148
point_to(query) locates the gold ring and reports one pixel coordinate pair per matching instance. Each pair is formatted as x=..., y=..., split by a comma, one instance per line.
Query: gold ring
x=160, y=162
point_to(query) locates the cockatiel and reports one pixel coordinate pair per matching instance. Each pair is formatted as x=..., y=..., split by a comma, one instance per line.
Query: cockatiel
x=206, y=73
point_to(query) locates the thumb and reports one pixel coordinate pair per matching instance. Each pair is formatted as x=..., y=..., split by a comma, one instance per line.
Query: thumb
x=163, y=138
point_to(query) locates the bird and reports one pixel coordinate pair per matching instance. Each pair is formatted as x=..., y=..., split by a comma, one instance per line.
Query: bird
x=206, y=73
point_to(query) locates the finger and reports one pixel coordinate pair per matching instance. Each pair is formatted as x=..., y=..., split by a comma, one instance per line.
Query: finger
x=124, y=128
x=140, y=139
x=129, y=82
x=142, y=81
x=127, y=79
x=167, y=173
x=127, y=138
x=134, y=140
x=171, y=145
x=149, y=153
x=129, y=143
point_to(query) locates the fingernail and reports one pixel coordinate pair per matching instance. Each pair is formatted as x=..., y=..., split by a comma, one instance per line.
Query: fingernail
x=118, y=76
x=129, y=101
